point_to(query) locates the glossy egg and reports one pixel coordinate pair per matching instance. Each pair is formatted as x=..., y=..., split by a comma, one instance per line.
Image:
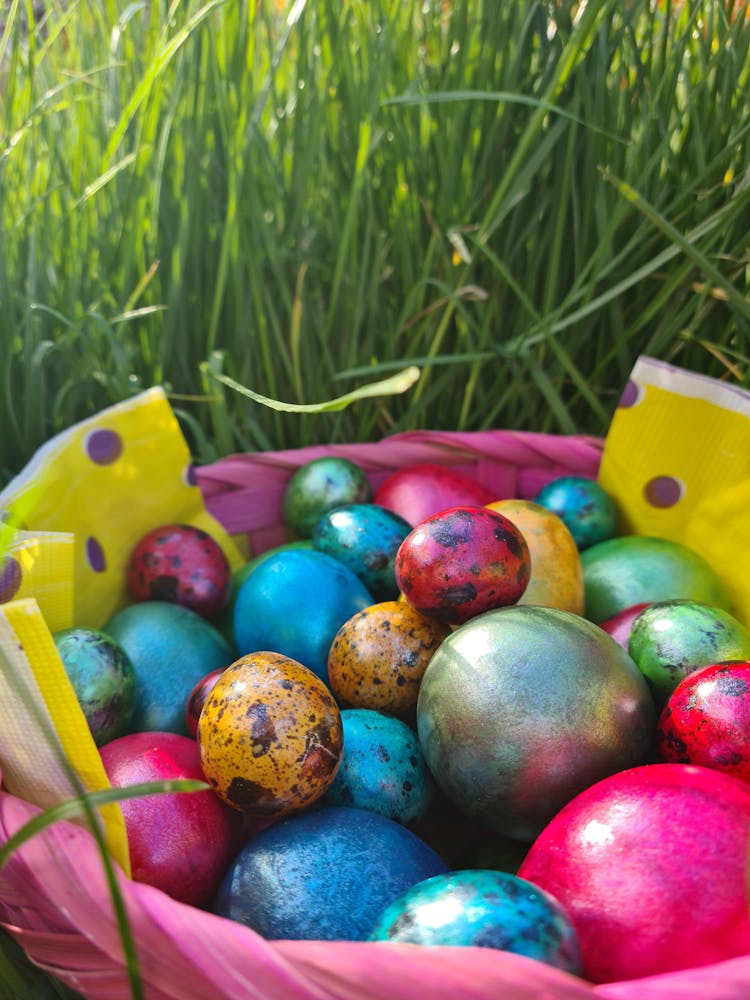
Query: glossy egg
x=182, y=564
x=650, y=865
x=270, y=735
x=317, y=487
x=326, y=874
x=418, y=491
x=556, y=579
x=523, y=707
x=382, y=768
x=619, y=625
x=461, y=562
x=706, y=720
x=197, y=700
x=365, y=538
x=585, y=507
x=483, y=909
x=671, y=639
x=102, y=677
x=378, y=657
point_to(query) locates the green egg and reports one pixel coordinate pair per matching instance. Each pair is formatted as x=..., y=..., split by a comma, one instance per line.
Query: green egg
x=319, y=486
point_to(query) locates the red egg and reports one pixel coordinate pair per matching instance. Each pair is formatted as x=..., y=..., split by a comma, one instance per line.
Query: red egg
x=418, y=491
x=619, y=625
x=462, y=561
x=197, y=699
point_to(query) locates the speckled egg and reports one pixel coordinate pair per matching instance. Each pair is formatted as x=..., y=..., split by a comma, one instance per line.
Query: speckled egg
x=325, y=874
x=378, y=657
x=671, y=639
x=483, y=909
x=270, y=735
x=365, y=538
x=317, y=487
x=382, y=768
x=462, y=561
x=585, y=507
x=102, y=677
x=707, y=719
x=182, y=564
x=556, y=579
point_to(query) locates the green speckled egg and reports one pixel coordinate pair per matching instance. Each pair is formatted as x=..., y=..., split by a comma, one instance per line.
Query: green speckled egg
x=319, y=486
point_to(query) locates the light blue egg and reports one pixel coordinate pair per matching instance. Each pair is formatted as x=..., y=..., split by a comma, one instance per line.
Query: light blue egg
x=586, y=508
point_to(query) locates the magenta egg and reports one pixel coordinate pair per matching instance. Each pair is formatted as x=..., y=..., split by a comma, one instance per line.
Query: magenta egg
x=619, y=625
x=650, y=864
x=418, y=491
x=197, y=699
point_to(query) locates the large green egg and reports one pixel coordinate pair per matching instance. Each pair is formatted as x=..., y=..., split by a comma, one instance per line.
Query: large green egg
x=522, y=708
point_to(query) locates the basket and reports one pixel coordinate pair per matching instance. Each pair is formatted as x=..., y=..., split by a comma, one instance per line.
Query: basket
x=54, y=898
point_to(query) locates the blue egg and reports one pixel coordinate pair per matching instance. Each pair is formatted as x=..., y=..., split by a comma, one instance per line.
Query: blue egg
x=382, y=768
x=365, y=538
x=294, y=603
x=324, y=874
x=588, y=511
x=485, y=909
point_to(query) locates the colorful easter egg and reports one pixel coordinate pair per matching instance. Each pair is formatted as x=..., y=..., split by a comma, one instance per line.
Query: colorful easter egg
x=418, y=491
x=556, y=579
x=326, y=874
x=365, y=538
x=197, y=700
x=671, y=639
x=294, y=603
x=587, y=509
x=461, y=562
x=523, y=707
x=620, y=625
x=378, y=657
x=382, y=768
x=319, y=486
x=650, y=864
x=483, y=909
x=182, y=564
x=102, y=677
x=270, y=735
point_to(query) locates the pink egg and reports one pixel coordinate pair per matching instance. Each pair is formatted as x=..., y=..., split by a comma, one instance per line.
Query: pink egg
x=619, y=625
x=417, y=491
x=650, y=864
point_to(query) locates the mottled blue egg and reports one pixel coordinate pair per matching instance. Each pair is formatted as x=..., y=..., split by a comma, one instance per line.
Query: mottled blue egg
x=485, y=909
x=382, y=768
x=586, y=508
x=294, y=603
x=325, y=874
x=365, y=538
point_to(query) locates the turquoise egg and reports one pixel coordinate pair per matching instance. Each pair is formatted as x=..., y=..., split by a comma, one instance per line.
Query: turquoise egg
x=483, y=909
x=587, y=509
x=365, y=538
x=382, y=768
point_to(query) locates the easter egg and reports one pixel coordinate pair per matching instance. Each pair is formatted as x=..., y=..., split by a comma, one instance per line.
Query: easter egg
x=417, y=491
x=270, y=735
x=650, y=865
x=523, y=707
x=179, y=842
x=619, y=625
x=365, y=538
x=483, y=909
x=637, y=569
x=671, y=639
x=317, y=487
x=294, y=603
x=183, y=564
x=462, y=561
x=326, y=874
x=171, y=648
x=102, y=677
x=706, y=720
x=379, y=655
x=382, y=768
x=587, y=509
x=556, y=579
x=197, y=699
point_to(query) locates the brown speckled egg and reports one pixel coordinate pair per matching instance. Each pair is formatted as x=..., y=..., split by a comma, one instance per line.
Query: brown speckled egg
x=379, y=655
x=270, y=735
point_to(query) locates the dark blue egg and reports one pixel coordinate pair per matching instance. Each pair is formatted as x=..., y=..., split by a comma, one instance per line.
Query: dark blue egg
x=365, y=538
x=484, y=909
x=324, y=874
x=382, y=768
x=587, y=509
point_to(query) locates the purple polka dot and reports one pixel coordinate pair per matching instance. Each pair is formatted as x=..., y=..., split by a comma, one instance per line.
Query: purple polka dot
x=10, y=579
x=103, y=446
x=190, y=475
x=631, y=394
x=95, y=555
x=663, y=491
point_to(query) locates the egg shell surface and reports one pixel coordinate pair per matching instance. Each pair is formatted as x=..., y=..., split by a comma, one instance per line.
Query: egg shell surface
x=586, y=508
x=418, y=491
x=619, y=625
x=317, y=487
x=197, y=700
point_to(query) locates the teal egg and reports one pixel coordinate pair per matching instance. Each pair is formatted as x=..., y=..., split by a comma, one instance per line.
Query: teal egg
x=588, y=511
x=317, y=487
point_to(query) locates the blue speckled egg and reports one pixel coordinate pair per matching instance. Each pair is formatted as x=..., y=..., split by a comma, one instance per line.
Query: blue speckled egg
x=382, y=768
x=327, y=874
x=585, y=507
x=485, y=909
x=294, y=603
